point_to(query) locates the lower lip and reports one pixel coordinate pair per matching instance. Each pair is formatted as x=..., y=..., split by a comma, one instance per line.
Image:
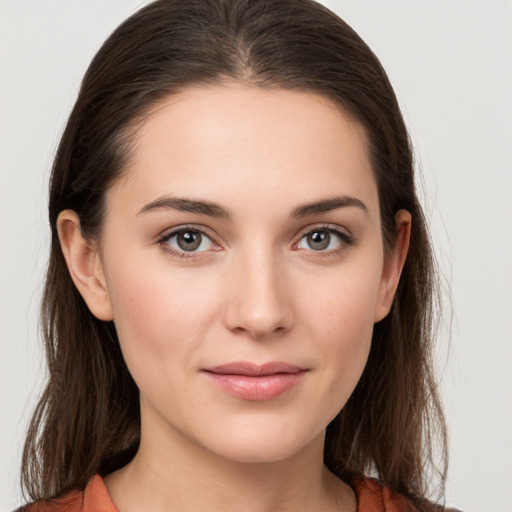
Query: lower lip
x=263, y=387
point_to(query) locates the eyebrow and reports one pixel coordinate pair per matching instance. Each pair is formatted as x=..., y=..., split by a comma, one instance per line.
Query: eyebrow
x=215, y=210
x=186, y=205
x=327, y=205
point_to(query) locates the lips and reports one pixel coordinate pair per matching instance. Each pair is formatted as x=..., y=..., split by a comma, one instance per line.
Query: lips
x=251, y=381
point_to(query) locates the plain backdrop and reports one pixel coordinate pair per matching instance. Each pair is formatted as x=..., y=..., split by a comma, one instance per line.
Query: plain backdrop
x=450, y=62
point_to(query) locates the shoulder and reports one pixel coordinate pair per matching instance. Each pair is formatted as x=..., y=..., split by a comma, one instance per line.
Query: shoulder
x=71, y=502
x=94, y=498
x=372, y=496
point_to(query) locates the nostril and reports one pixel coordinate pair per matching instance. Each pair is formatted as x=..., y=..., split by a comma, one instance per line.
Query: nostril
x=258, y=326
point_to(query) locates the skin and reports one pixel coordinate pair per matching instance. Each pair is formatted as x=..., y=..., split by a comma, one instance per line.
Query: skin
x=255, y=290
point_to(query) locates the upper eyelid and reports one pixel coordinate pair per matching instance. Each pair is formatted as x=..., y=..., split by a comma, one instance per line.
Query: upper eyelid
x=333, y=228
x=167, y=233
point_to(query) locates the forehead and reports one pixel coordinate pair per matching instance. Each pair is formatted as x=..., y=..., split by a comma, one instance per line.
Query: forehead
x=234, y=140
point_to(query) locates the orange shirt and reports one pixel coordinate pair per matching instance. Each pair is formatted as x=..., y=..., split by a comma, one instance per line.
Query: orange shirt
x=371, y=497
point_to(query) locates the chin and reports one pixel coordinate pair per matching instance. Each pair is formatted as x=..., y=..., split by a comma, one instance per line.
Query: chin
x=264, y=442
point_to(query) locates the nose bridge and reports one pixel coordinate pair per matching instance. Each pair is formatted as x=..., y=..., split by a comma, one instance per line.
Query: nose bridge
x=257, y=301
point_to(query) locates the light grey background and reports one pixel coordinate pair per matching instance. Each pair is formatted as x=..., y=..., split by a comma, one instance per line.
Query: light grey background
x=451, y=64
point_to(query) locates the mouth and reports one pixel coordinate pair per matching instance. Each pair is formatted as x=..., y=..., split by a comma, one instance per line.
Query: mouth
x=251, y=381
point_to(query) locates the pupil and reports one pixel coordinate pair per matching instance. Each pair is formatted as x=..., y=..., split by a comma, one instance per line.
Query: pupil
x=319, y=240
x=189, y=241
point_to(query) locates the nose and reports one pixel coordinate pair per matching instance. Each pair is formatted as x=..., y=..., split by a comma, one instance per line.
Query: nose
x=257, y=296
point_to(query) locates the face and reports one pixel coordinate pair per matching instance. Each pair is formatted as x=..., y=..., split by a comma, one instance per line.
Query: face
x=243, y=265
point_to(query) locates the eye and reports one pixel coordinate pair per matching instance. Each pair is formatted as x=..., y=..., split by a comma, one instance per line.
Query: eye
x=323, y=239
x=188, y=241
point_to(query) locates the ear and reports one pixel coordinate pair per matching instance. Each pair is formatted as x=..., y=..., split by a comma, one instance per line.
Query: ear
x=393, y=265
x=84, y=265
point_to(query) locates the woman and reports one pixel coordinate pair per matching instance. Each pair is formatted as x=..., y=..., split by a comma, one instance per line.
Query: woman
x=238, y=302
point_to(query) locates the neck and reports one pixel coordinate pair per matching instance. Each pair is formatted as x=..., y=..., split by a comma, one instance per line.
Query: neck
x=170, y=472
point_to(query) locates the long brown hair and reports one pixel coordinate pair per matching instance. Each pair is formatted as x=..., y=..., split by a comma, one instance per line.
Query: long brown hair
x=87, y=420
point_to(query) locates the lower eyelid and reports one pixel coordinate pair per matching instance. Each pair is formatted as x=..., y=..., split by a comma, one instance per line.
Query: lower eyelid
x=186, y=255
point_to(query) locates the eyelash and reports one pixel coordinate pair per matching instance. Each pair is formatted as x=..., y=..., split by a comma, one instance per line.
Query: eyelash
x=183, y=255
x=345, y=241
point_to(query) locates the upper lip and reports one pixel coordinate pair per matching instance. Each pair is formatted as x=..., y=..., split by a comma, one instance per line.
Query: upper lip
x=253, y=369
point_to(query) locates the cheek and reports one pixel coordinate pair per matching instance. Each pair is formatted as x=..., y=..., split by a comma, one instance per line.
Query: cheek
x=340, y=314
x=160, y=313
x=342, y=303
